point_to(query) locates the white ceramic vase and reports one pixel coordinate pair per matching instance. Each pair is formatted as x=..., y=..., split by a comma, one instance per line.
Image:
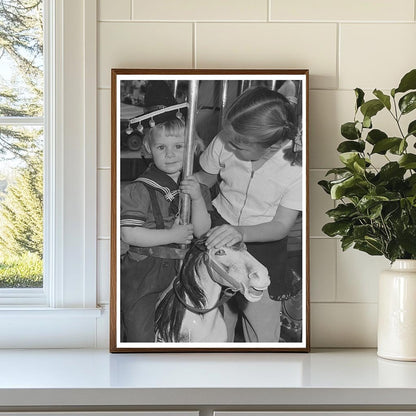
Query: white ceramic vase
x=397, y=312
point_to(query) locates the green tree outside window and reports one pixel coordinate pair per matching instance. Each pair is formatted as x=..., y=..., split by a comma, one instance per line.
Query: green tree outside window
x=21, y=143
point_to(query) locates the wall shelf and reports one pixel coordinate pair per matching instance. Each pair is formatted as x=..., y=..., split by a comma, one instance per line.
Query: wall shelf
x=95, y=379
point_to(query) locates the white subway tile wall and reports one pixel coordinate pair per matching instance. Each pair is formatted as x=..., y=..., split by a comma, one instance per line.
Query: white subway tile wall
x=357, y=275
x=104, y=202
x=345, y=44
x=142, y=45
x=201, y=10
x=339, y=11
x=319, y=203
x=323, y=269
x=375, y=55
x=114, y=10
x=104, y=128
x=103, y=269
x=328, y=109
x=349, y=325
x=270, y=45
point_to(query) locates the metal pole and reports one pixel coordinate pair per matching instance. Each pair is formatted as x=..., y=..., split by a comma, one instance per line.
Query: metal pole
x=188, y=156
x=273, y=85
x=175, y=88
x=223, y=104
x=242, y=86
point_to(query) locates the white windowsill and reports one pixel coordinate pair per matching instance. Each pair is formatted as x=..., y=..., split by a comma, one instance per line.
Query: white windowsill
x=35, y=311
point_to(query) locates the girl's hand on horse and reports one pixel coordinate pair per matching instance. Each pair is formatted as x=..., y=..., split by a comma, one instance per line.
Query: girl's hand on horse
x=191, y=186
x=182, y=234
x=224, y=235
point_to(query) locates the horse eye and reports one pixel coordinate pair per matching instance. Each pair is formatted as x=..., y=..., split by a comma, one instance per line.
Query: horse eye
x=220, y=252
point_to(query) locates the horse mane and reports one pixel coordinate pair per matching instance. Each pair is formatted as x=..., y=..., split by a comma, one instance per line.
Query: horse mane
x=170, y=311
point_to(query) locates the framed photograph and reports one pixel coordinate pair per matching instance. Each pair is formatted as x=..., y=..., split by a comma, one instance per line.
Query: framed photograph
x=209, y=213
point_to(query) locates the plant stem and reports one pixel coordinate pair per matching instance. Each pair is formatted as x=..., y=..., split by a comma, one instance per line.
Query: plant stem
x=376, y=248
x=387, y=231
x=397, y=118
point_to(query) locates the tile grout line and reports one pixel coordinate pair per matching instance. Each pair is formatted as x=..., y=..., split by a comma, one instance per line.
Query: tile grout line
x=318, y=169
x=338, y=63
x=254, y=21
x=323, y=237
x=310, y=169
x=336, y=271
x=345, y=302
x=194, y=63
x=370, y=89
x=269, y=11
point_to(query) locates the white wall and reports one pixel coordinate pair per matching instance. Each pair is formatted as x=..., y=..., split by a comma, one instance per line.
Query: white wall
x=345, y=44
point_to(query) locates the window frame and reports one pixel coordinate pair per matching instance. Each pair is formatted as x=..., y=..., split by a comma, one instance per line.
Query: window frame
x=67, y=303
x=37, y=296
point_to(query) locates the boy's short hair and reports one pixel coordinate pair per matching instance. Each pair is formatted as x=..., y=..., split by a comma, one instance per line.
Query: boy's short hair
x=174, y=127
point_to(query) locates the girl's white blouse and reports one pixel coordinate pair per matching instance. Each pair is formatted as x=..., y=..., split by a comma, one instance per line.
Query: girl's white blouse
x=251, y=197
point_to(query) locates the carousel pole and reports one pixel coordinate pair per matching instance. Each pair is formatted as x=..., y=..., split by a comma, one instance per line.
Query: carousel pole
x=188, y=157
x=242, y=86
x=223, y=104
x=175, y=88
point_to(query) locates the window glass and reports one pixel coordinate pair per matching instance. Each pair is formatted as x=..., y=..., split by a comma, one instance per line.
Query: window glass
x=21, y=143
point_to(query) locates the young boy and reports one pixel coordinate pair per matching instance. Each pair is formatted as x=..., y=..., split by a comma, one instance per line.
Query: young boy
x=151, y=228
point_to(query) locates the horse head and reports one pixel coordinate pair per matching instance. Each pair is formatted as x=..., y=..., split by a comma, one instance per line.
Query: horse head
x=231, y=267
x=236, y=268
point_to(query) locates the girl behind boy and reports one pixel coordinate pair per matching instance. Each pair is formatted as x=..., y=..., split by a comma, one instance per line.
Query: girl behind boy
x=150, y=226
x=259, y=199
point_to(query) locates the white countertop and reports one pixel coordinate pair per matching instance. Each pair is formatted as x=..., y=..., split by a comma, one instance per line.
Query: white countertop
x=96, y=377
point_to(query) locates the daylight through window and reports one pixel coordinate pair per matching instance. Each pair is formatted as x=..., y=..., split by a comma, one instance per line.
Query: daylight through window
x=21, y=143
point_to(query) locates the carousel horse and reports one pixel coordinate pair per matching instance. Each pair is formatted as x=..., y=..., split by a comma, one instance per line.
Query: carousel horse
x=189, y=309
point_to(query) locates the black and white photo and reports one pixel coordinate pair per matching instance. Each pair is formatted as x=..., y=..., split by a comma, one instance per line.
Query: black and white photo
x=209, y=211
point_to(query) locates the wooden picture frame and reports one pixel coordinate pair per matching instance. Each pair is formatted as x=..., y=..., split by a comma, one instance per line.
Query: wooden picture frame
x=157, y=280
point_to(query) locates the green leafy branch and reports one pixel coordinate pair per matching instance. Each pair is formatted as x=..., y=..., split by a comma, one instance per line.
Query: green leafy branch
x=376, y=210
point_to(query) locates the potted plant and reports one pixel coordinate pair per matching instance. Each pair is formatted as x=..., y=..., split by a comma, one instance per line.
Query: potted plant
x=376, y=206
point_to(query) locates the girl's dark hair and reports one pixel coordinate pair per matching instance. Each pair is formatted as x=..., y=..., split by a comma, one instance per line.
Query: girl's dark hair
x=262, y=116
